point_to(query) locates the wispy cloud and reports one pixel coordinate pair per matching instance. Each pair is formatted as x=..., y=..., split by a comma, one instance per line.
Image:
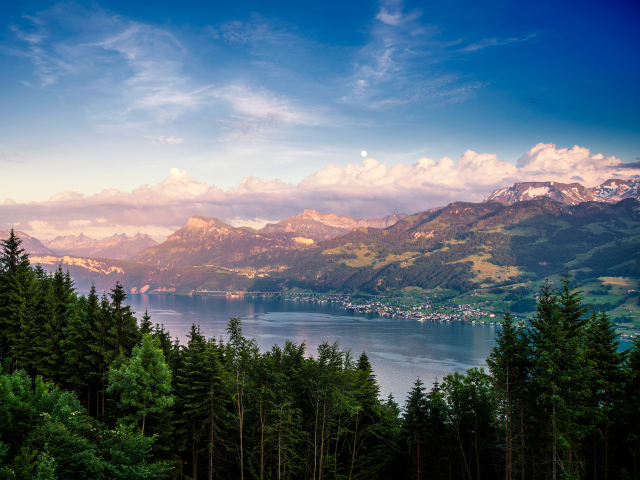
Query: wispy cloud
x=134, y=67
x=162, y=140
x=398, y=64
x=492, y=42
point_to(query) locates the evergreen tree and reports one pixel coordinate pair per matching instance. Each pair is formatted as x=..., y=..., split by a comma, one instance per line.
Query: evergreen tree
x=46, y=469
x=14, y=311
x=606, y=376
x=201, y=404
x=508, y=364
x=142, y=384
x=78, y=367
x=145, y=325
x=413, y=428
x=124, y=333
x=630, y=416
x=238, y=353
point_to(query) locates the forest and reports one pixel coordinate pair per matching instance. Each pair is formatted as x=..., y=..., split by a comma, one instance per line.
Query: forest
x=88, y=392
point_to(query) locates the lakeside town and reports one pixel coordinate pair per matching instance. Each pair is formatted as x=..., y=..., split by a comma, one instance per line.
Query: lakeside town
x=425, y=309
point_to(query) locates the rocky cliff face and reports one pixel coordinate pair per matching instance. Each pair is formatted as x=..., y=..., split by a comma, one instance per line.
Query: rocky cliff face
x=30, y=244
x=611, y=191
x=118, y=247
x=210, y=241
x=322, y=226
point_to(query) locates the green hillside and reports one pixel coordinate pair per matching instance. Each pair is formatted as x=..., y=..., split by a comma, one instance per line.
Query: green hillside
x=461, y=248
x=466, y=246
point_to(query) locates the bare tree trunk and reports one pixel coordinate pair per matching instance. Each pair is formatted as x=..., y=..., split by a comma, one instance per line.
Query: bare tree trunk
x=522, y=464
x=508, y=466
x=315, y=442
x=261, y=434
x=279, y=437
x=554, y=442
x=324, y=419
x=194, y=455
x=211, y=437
x=240, y=417
x=418, y=443
x=353, y=453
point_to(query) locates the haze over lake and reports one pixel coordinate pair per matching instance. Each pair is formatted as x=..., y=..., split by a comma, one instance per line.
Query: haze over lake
x=400, y=350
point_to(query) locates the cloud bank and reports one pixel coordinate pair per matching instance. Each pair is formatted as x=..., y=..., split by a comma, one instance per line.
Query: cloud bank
x=370, y=189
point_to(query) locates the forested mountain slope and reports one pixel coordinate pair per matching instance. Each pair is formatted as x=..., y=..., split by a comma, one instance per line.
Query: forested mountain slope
x=89, y=391
x=461, y=247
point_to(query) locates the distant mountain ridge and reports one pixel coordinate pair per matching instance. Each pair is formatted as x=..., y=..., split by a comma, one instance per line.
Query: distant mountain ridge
x=31, y=245
x=322, y=226
x=209, y=241
x=611, y=191
x=460, y=247
x=117, y=247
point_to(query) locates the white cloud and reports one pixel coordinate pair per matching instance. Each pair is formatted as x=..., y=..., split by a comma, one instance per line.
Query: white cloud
x=79, y=223
x=162, y=140
x=393, y=68
x=492, y=42
x=370, y=189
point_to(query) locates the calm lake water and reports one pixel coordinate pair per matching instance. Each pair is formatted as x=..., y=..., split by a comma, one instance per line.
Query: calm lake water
x=399, y=350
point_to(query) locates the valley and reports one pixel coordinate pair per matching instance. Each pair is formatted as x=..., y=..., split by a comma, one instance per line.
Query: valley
x=502, y=249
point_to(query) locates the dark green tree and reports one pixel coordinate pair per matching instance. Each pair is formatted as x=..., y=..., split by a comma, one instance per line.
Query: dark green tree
x=142, y=384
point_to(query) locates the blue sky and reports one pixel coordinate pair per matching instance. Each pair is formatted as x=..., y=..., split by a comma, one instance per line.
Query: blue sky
x=113, y=95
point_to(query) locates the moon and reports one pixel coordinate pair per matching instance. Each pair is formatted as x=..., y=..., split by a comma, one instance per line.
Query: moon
x=363, y=153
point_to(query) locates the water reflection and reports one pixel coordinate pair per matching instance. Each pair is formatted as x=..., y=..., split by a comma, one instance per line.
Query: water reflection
x=400, y=350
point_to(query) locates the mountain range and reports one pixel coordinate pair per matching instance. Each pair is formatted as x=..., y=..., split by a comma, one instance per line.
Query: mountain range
x=611, y=191
x=529, y=231
x=322, y=226
x=30, y=244
x=119, y=247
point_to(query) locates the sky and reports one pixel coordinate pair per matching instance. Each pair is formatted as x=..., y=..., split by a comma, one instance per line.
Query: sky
x=127, y=117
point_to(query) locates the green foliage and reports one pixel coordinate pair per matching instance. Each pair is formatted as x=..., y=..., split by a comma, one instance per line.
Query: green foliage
x=142, y=384
x=46, y=469
x=85, y=394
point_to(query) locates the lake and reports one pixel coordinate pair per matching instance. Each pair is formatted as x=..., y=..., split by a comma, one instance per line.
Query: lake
x=400, y=350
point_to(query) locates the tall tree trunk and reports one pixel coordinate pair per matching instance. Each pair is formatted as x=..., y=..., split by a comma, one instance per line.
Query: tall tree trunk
x=353, y=453
x=240, y=418
x=554, y=442
x=194, y=455
x=522, y=463
x=211, y=437
x=261, y=434
x=324, y=419
x=315, y=441
x=279, y=438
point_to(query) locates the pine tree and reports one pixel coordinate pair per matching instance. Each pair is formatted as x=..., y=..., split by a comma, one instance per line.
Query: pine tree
x=124, y=333
x=145, y=325
x=78, y=367
x=413, y=428
x=142, y=383
x=238, y=353
x=508, y=364
x=12, y=302
x=200, y=399
x=630, y=416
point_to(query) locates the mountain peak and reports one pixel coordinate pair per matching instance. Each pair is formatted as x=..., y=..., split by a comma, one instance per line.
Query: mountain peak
x=611, y=191
x=198, y=222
